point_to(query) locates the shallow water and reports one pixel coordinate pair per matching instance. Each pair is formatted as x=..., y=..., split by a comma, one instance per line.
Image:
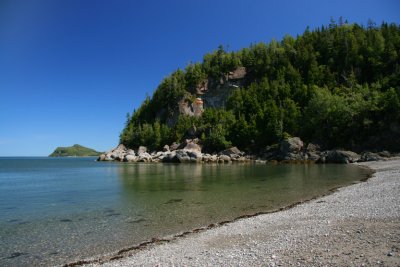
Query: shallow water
x=58, y=210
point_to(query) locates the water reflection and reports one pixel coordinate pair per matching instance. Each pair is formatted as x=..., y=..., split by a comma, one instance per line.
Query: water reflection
x=200, y=194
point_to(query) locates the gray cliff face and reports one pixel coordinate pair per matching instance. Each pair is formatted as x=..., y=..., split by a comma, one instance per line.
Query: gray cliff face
x=209, y=93
x=217, y=92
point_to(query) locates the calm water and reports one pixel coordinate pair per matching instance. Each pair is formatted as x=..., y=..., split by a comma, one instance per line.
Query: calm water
x=57, y=210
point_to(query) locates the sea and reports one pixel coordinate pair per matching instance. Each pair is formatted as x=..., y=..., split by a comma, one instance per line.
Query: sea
x=55, y=211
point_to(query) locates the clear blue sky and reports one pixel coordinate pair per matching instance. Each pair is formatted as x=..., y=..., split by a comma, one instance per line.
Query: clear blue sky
x=70, y=70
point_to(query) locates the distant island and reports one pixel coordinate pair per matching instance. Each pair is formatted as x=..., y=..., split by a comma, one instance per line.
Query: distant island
x=74, y=151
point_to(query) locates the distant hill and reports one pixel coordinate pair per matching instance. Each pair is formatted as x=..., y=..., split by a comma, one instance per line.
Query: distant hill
x=74, y=151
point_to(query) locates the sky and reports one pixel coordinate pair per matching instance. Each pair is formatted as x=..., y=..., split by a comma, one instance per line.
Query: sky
x=70, y=70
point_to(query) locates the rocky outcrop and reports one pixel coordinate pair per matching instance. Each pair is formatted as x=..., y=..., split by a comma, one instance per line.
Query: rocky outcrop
x=188, y=151
x=191, y=108
x=237, y=74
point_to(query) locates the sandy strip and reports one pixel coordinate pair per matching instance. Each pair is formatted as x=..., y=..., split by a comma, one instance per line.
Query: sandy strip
x=358, y=225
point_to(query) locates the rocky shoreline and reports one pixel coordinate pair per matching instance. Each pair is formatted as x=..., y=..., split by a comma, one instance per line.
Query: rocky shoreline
x=290, y=150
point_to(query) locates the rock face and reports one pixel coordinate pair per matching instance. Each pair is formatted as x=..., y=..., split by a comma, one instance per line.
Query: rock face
x=210, y=92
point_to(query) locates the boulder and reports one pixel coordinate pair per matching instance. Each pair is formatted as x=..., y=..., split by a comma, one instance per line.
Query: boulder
x=142, y=149
x=291, y=145
x=130, y=158
x=232, y=152
x=166, y=148
x=102, y=157
x=384, y=154
x=341, y=156
x=224, y=159
x=313, y=156
x=182, y=156
x=369, y=156
x=290, y=149
x=144, y=157
x=174, y=146
x=130, y=152
x=170, y=157
x=195, y=156
x=117, y=153
x=312, y=147
x=193, y=147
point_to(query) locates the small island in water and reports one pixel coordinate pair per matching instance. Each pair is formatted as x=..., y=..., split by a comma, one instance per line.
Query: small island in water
x=74, y=151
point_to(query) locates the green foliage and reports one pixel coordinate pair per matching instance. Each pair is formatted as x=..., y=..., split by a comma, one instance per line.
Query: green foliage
x=337, y=85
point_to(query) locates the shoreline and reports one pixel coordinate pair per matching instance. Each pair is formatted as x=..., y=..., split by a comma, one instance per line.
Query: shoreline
x=160, y=251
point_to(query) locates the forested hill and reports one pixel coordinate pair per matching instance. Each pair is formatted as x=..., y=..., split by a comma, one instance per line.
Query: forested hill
x=74, y=151
x=338, y=86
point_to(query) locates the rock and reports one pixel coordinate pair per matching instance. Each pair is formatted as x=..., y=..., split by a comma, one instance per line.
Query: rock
x=384, y=154
x=224, y=159
x=117, y=153
x=238, y=73
x=182, y=156
x=142, y=149
x=313, y=156
x=195, y=156
x=290, y=149
x=130, y=152
x=130, y=158
x=214, y=158
x=170, y=157
x=241, y=159
x=144, y=157
x=341, y=156
x=312, y=147
x=174, y=146
x=369, y=156
x=166, y=148
x=192, y=147
x=232, y=152
x=102, y=157
x=291, y=145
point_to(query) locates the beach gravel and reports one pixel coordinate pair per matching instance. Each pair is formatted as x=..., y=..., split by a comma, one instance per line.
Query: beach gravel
x=359, y=225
